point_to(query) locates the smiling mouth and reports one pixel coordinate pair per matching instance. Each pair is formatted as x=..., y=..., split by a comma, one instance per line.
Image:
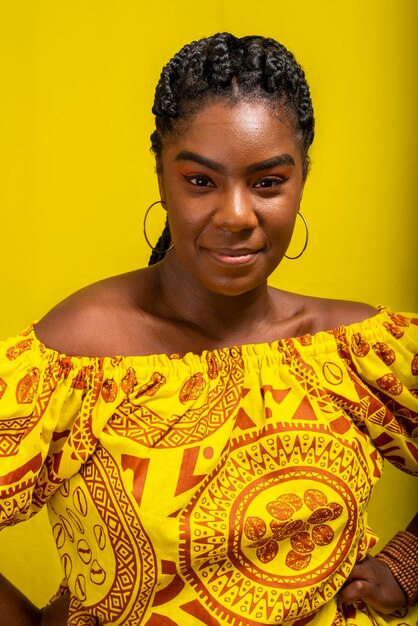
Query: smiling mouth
x=233, y=257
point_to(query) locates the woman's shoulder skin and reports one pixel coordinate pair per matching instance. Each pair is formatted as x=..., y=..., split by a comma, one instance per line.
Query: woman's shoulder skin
x=326, y=314
x=95, y=319
x=309, y=314
x=114, y=317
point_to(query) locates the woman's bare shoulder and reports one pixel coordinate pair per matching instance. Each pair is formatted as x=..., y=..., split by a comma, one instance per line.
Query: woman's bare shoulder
x=327, y=314
x=311, y=314
x=91, y=321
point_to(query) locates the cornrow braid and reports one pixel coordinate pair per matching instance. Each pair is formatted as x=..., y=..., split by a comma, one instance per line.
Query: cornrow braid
x=229, y=68
x=162, y=246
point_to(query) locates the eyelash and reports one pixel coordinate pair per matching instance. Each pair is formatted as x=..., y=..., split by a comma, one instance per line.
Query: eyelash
x=270, y=179
x=196, y=177
x=258, y=185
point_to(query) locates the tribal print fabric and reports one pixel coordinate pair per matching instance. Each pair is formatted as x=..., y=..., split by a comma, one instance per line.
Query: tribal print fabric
x=227, y=488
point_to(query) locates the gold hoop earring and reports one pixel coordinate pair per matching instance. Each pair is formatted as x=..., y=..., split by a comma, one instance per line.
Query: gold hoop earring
x=306, y=240
x=145, y=230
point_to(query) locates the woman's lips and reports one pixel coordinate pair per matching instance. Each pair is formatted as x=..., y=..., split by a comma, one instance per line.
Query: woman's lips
x=233, y=257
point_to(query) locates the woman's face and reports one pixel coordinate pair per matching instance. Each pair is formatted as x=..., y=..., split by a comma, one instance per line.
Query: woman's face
x=232, y=181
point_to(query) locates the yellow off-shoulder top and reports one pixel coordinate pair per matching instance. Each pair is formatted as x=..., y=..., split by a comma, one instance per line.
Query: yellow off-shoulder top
x=226, y=488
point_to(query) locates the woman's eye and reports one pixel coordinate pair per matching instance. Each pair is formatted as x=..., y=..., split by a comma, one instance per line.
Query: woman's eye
x=199, y=181
x=267, y=183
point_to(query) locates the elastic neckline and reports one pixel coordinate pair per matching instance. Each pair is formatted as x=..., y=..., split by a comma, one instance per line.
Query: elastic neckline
x=320, y=342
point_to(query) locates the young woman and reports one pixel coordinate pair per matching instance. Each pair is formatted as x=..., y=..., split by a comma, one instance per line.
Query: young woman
x=206, y=444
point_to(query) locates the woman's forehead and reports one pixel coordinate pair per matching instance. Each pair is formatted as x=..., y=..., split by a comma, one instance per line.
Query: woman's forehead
x=219, y=127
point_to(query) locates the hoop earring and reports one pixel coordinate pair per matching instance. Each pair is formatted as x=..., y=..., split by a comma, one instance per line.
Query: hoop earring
x=306, y=240
x=145, y=230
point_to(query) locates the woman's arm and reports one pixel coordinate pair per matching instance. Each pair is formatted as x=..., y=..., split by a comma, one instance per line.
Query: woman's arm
x=413, y=526
x=372, y=581
x=18, y=610
x=56, y=614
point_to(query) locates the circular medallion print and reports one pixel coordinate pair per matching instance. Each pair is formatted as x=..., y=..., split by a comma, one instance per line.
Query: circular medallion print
x=264, y=536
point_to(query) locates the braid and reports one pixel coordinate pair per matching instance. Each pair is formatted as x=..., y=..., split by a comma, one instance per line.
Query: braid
x=162, y=246
x=231, y=68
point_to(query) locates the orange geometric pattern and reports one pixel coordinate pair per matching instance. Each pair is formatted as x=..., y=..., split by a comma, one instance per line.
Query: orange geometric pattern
x=99, y=521
x=255, y=478
x=227, y=488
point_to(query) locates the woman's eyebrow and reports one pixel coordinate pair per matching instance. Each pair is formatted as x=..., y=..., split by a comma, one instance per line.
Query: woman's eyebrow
x=280, y=159
x=185, y=155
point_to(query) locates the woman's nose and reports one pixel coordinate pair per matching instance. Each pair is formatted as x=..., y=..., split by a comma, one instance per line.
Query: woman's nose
x=235, y=211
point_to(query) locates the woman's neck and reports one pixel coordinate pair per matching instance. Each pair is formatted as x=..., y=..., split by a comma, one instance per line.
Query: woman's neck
x=217, y=316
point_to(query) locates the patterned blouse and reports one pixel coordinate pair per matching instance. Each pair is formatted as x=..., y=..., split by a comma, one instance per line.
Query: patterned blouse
x=226, y=488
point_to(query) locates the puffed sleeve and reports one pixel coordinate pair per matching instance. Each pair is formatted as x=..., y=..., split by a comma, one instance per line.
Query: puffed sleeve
x=52, y=412
x=383, y=366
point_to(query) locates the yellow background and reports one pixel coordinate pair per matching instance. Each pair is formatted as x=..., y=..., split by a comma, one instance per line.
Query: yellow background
x=77, y=81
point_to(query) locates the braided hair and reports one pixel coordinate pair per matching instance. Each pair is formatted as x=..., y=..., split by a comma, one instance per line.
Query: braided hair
x=224, y=67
